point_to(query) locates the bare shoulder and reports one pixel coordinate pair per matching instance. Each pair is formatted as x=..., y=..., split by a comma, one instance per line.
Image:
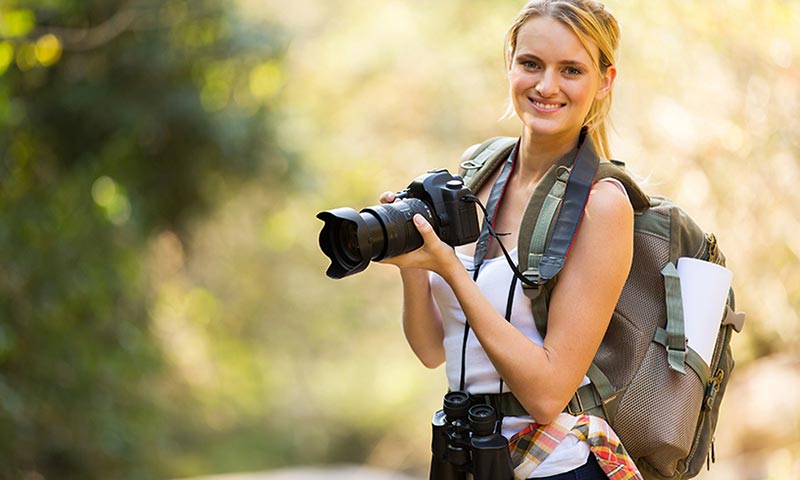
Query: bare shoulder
x=469, y=152
x=607, y=225
x=609, y=203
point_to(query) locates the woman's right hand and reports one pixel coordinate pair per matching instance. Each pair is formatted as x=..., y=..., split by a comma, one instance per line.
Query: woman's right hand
x=433, y=255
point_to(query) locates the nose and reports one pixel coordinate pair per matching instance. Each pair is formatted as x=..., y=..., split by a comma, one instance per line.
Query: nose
x=547, y=86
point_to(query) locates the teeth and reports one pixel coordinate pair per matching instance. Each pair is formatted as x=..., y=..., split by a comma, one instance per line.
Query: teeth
x=547, y=106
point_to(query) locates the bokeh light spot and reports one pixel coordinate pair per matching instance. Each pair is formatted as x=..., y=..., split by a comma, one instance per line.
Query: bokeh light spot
x=6, y=56
x=107, y=194
x=266, y=80
x=16, y=23
x=48, y=50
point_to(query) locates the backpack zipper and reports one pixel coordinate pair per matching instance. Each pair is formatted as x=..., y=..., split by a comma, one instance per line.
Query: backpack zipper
x=719, y=375
x=713, y=384
x=712, y=248
x=713, y=387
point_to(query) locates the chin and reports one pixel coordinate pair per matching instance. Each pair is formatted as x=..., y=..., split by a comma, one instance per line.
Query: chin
x=544, y=128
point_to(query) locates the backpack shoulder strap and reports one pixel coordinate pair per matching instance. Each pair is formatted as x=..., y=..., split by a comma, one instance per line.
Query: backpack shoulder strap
x=550, y=222
x=616, y=169
x=484, y=161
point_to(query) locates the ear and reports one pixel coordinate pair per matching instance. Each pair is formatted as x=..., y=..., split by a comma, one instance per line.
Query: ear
x=606, y=83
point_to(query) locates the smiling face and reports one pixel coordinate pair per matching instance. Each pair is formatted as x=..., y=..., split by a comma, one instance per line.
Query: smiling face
x=553, y=78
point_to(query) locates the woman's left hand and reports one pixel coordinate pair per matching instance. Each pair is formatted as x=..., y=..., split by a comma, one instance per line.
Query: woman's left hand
x=433, y=255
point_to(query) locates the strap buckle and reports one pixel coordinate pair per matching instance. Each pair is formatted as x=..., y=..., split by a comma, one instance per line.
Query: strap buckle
x=470, y=164
x=577, y=399
x=532, y=275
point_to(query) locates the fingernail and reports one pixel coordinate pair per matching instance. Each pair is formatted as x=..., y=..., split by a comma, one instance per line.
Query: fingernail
x=419, y=220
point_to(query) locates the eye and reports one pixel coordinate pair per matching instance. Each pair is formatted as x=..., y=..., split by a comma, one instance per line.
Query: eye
x=572, y=71
x=529, y=64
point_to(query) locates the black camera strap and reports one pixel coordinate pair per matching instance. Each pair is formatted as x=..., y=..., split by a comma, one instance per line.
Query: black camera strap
x=576, y=196
x=490, y=214
x=482, y=246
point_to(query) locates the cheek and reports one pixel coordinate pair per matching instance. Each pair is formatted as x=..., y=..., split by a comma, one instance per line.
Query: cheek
x=584, y=95
x=518, y=82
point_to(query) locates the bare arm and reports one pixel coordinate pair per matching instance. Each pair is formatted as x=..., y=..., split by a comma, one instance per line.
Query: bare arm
x=422, y=321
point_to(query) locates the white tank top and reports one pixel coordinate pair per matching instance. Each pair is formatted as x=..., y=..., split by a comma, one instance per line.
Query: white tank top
x=494, y=281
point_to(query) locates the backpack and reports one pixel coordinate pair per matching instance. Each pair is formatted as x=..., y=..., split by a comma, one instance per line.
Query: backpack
x=664, y=414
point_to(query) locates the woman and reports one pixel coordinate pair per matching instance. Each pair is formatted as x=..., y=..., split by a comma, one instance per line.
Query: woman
x=560, y=62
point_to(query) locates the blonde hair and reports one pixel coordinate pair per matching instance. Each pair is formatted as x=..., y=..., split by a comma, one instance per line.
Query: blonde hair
x=590, y=22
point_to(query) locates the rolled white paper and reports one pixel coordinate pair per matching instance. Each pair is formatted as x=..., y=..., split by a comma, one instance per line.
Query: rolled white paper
x=704, y=290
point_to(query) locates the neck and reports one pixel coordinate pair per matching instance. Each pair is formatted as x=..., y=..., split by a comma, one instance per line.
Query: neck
x=538, y=153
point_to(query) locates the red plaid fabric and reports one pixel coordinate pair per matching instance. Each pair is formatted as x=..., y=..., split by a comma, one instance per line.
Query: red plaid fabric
x=532, y=445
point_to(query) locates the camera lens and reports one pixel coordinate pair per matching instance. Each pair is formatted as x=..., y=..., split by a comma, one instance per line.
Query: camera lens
x=397, y=219
x=351, y=240
x=348, y=239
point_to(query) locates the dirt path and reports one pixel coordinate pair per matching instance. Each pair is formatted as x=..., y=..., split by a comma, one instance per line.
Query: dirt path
x=327, y=473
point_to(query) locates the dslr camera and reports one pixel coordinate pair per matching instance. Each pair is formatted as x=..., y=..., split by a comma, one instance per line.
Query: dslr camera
x=467, y=439
x=352, y=239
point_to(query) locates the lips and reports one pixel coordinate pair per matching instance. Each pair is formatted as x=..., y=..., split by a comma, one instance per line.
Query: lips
x=546, y=106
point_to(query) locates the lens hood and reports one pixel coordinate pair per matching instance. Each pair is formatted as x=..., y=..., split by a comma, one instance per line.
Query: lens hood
x=345, y=240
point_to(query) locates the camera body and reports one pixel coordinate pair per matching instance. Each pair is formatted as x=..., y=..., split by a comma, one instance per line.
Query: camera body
x=467, y=439
x=352, y=239
x=455, y=220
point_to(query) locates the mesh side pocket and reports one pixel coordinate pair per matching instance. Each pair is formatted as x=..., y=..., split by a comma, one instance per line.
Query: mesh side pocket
x=649, y=416
x=640, y=309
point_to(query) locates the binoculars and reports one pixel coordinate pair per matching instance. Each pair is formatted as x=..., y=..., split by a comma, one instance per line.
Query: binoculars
x=467, y=439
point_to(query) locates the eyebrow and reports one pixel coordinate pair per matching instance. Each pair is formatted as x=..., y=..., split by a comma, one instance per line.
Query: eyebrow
x=565, y=63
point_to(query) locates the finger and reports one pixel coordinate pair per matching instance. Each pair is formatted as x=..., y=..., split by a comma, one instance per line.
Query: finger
x=387, y=197
x=423, y=227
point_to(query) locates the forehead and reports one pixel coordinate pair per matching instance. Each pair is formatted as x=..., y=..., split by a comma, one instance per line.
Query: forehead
x=551, y=39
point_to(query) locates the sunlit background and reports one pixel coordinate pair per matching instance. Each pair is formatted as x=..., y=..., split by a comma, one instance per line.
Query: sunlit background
x=163, y=306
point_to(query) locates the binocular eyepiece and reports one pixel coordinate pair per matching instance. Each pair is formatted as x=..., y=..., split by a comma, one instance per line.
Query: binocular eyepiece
x=467, y=439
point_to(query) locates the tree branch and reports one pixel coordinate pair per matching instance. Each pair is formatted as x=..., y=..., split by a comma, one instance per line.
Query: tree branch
x=83, y=39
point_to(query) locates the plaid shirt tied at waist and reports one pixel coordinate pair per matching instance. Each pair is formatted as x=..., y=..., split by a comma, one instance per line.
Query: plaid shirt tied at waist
x=533, y=444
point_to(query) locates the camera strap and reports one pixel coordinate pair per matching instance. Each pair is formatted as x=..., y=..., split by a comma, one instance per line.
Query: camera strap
x=482, y=246
x=495, y=196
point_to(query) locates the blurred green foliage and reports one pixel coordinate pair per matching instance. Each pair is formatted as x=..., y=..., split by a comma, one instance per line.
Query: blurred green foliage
x=163, y=307
x=118, y=120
